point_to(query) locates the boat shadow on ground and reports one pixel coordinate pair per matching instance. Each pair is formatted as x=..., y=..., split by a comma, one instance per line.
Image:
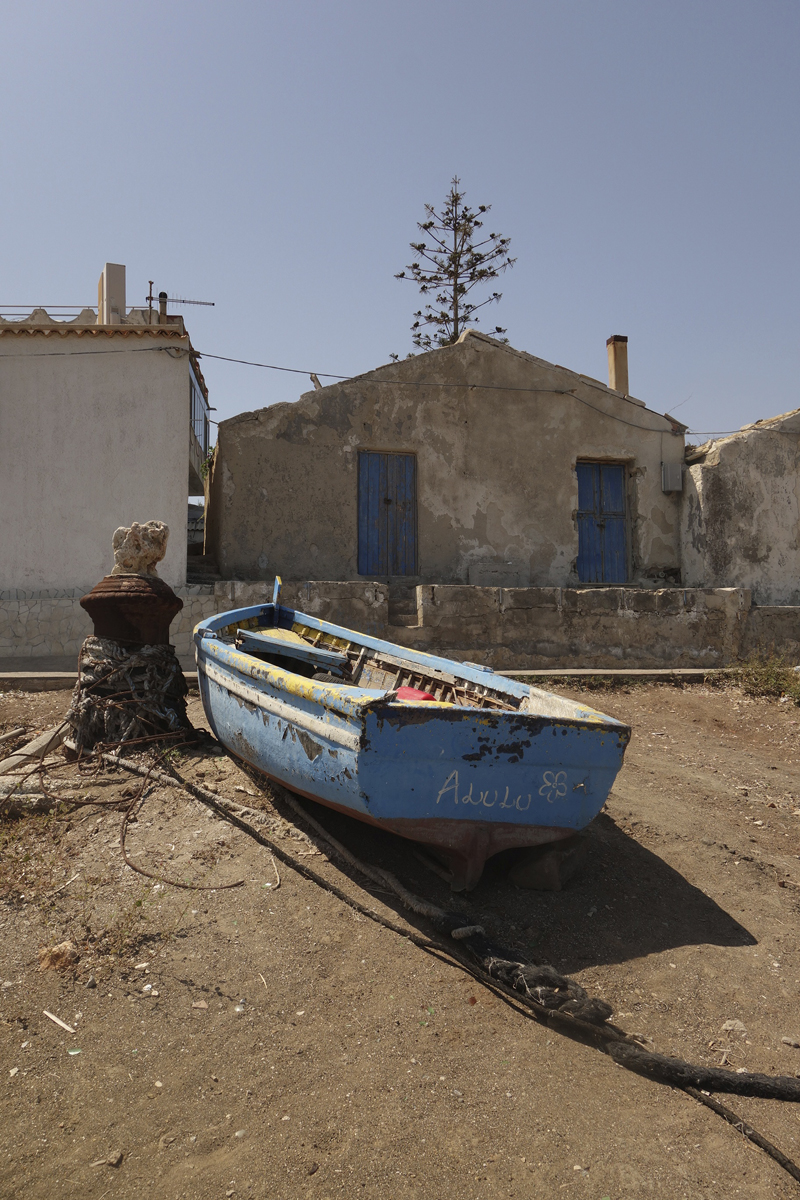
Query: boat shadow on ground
x=625, y=904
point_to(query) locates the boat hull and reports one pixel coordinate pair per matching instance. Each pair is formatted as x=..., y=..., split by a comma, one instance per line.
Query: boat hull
x=468, y=782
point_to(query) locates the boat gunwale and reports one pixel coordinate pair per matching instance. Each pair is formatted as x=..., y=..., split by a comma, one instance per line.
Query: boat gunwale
x=348, y=701
x=346, y=735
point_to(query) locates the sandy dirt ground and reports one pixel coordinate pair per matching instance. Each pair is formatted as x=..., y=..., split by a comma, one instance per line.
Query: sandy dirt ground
x=266, y=1041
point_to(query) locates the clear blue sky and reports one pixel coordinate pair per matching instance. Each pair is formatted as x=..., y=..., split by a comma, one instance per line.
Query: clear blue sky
x=274, y=158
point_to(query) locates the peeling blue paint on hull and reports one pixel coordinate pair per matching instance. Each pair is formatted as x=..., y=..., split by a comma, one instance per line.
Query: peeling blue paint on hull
x=467, y=781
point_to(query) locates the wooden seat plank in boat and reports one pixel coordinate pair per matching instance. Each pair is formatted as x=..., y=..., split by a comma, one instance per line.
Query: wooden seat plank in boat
x=285, y=641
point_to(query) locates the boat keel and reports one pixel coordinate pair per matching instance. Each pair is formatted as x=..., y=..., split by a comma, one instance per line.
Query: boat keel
x=464, y=846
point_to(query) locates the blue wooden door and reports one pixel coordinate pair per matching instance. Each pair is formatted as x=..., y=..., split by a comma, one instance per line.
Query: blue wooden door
x=387, y=513
x=602, y=535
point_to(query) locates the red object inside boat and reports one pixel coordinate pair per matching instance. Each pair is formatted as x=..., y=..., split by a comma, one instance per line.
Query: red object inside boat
x=405, y=693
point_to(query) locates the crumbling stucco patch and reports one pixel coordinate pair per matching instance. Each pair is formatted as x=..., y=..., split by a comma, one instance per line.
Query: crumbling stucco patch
x=740, y=523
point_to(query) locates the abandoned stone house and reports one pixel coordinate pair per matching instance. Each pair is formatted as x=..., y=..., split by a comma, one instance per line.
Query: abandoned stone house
x=473, y=464
x=480, y=502
x=475, y=501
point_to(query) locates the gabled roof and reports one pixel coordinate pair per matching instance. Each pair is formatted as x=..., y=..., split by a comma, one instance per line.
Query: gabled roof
x=585, y=379
x=406, y=372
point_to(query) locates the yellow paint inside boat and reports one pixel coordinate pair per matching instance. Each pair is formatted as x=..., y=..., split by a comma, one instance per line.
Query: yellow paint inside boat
x=340, y=698
x=284, y=635
x=322, y=641
x=297, y=685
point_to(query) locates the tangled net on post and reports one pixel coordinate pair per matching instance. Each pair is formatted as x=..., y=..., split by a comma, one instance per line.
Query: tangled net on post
x=126, y=695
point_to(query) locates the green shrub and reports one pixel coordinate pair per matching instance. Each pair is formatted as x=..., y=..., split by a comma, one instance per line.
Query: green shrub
x=768, y=674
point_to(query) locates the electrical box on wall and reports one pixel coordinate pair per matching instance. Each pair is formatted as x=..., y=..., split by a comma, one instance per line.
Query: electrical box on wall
x=672, y=477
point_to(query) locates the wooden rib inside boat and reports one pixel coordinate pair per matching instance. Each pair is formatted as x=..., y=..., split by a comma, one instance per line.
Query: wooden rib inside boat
x=360, y=666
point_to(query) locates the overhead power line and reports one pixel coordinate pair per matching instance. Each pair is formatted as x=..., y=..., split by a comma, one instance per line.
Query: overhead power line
x=420, y=383
x=271, y=366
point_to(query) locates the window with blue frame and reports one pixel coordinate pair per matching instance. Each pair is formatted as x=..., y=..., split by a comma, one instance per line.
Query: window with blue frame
x=602, y=523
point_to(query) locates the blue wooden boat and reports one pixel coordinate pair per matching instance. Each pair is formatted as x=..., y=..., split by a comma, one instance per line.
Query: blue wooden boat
x=486, y=765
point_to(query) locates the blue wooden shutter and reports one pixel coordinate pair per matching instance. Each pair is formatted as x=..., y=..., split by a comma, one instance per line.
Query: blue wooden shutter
x=371, y=514
x=387, y=514
x=612, y=508
x=602, y=532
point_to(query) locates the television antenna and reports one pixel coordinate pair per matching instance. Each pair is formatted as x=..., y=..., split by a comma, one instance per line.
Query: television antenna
x=176, y=300
x=172, y=299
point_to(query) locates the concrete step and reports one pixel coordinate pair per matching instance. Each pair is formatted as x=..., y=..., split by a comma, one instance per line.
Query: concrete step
x=403, y=606
x=202, y=568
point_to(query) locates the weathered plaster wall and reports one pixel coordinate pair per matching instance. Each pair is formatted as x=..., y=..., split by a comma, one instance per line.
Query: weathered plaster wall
x=740, y=524
x=94, y=433
x=496, y=433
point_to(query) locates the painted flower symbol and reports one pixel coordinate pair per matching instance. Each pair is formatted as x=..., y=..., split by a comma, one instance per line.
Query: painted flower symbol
x=554, y=786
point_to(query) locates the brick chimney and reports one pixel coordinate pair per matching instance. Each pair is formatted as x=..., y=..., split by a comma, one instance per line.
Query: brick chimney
x=618, y=363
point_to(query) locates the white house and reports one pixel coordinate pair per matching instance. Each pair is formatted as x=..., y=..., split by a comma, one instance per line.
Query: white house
x=103, y=420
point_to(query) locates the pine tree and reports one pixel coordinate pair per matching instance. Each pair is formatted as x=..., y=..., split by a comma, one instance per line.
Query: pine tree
x=450, y=264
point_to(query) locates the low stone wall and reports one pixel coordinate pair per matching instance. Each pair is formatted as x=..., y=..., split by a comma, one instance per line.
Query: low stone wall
x=548, y=628
x=772, y=630
x=362, y=606
x=39, y=623
x=51, y=623
x=505, y=628
x=590, y=627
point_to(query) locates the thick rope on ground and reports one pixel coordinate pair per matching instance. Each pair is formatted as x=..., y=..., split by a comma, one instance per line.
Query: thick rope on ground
x=712, y=1079
x=541, y=983
x=747, y=1130
x=523, y=982
x=549, y=992
x=537, y=985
